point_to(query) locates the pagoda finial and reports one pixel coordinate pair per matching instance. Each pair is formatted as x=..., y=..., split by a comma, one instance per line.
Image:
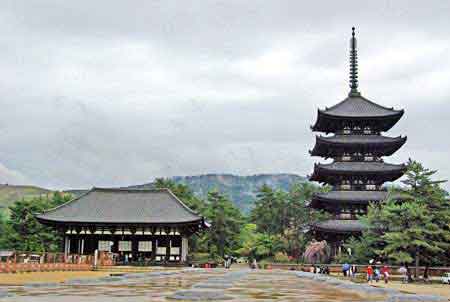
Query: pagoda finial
x=353, y=65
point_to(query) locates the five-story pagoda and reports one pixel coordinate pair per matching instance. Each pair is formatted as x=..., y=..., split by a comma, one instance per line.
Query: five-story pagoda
x=357, y=147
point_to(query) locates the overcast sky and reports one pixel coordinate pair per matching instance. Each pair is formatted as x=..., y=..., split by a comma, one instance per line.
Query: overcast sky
x=111, y=93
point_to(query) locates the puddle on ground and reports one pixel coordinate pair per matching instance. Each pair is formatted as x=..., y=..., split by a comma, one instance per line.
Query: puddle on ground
x=242, y=286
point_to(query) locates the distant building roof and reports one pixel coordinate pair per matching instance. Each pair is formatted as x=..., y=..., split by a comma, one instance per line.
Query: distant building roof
x=4, y=253
x=122, y=206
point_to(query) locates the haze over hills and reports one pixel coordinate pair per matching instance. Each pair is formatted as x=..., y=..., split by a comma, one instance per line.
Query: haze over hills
x=241, y=189
x=10, y=193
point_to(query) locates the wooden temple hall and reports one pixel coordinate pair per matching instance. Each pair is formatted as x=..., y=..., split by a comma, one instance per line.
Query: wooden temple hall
x=136, y=225
x=357, y=148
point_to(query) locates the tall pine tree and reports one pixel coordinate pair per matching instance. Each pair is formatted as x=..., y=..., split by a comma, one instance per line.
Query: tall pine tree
x=413, y=225
x=226, y=221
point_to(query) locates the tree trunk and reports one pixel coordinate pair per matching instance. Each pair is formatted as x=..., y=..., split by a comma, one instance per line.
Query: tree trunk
x=425, y=273
x=416, y=271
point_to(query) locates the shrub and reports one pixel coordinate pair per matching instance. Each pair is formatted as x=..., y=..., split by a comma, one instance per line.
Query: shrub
x=281, y=257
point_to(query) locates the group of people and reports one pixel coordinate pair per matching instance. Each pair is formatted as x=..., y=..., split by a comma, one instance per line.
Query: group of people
x=349, y=270
x=320, y=270
x=373, y=272
x=228, y=260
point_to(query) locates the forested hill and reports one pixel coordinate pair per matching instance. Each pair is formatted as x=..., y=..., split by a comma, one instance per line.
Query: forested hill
x=241, y=189
x=11, y=193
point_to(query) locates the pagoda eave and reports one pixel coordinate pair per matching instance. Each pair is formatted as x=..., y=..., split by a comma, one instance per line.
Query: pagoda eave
x=330, y=123
x=348, y=197
x=334, y=172
x=337, y=226
x=337, y=145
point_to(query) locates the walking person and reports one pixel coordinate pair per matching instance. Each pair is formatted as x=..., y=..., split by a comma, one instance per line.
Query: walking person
x=426, y=277
x=404, y=272
x=385, y=272
x=254, y=264
x=353, y=271
x=226, y=261
x=369, y=271
x=345, y=269
x=377, y=274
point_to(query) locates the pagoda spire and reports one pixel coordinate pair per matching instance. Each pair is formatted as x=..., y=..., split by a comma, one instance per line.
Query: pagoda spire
x=353, y=66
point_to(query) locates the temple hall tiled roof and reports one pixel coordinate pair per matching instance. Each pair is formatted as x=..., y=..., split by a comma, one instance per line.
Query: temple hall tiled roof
x=122, y=206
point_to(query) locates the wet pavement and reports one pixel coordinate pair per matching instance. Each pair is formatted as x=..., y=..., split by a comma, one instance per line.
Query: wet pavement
x=187, y=285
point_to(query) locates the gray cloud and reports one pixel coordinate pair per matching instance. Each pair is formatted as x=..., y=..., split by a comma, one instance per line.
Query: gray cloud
x=113, y=93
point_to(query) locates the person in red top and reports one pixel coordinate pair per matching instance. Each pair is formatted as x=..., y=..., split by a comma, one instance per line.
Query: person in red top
x=385, y=273
x=369, y=271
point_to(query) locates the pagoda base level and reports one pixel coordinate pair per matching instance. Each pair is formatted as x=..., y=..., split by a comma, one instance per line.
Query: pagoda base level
x=335, y=241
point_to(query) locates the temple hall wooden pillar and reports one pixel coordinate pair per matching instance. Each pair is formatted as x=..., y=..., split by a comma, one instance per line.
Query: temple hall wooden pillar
x=184, y=248
x=154, y=248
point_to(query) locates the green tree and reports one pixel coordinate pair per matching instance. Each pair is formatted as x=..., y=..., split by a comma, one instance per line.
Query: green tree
x=3, y=231
x=256, y=245
x=183, y=192
x=24, y=232
x=300, y=217
x=412, y=225
x=226, y=222
x=270, y=211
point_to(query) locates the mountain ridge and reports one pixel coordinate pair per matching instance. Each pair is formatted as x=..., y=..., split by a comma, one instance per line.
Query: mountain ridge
x=240, y=189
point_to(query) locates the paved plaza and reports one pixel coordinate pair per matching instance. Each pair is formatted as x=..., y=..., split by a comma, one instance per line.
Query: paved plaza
x=200, y=285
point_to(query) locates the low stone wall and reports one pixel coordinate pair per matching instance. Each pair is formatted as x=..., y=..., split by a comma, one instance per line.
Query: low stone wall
x=7, y=267
x=385, y=294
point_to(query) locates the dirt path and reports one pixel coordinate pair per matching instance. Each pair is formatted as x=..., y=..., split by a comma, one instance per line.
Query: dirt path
x=418, y=288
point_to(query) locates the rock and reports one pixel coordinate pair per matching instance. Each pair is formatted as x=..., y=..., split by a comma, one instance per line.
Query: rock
x=200, y=295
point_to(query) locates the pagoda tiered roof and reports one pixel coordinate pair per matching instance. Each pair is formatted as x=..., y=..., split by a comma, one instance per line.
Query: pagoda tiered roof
x=331, y=173
x=355, y=109
x=345, y=226
x=356, y=147
x=336, y=145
